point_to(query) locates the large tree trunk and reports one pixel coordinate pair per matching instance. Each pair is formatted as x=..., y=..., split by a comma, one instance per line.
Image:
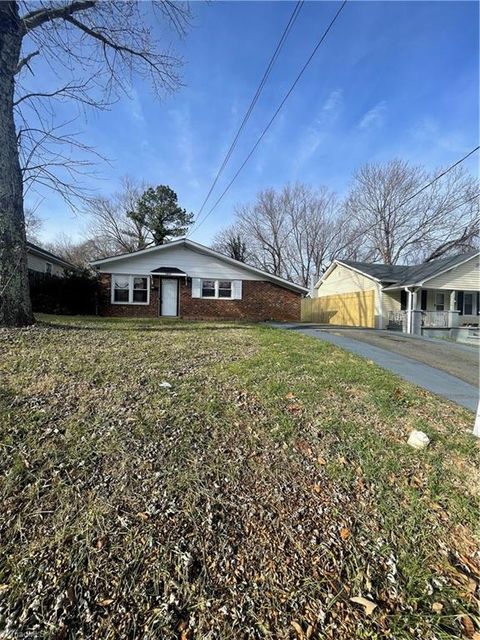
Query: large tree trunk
x=15, y=306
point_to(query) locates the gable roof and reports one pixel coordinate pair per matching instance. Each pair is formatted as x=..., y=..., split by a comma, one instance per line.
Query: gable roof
x=394, y=276
x=418, y=274
x=195, y=246
x=380, y=272
x=48, y=255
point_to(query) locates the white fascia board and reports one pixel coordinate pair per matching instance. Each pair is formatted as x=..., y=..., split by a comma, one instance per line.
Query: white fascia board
x=325, y=275
x=347, y=266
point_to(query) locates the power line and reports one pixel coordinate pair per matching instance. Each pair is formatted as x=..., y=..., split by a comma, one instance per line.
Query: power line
x=440, y=175
x=429, y=184
x=255, y=98
x=287, y=95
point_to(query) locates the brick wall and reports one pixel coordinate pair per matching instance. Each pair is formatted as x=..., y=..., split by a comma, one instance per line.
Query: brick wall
x=261, y=300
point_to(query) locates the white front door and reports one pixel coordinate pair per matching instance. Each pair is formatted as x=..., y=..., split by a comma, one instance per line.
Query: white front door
x=169, y=293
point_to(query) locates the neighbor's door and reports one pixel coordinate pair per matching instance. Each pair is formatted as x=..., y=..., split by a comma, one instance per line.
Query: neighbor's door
x=169, y=298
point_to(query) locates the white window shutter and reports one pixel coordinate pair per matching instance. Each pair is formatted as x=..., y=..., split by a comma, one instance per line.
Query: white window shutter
x=237, y=289
x=196, y=287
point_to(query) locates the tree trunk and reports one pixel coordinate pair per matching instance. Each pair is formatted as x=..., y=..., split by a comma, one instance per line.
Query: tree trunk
x=15, y=306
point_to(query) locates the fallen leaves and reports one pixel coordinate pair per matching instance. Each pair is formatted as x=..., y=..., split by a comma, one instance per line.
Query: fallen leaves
x=234, y=512
x=467, y=626
x=368, y=605
x=345, y=533
x=105, y=602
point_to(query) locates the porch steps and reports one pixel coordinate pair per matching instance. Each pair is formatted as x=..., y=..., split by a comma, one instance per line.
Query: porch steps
x=474, y=337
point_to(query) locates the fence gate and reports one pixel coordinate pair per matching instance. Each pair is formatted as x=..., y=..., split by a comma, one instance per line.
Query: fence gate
x=355, y=309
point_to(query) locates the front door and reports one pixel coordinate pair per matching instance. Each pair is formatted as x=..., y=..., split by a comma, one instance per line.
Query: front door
x=169, y=297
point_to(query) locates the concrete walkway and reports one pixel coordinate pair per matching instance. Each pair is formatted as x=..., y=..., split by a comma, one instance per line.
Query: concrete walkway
x=434, y=380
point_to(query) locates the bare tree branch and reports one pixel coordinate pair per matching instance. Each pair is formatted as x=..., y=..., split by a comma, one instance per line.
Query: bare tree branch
x=39, y=17
x=25, y=61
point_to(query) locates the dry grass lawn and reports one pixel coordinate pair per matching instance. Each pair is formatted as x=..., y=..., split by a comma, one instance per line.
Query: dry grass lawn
x=258, y=496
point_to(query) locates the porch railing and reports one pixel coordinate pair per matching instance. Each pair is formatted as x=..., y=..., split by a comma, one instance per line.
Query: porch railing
x=438, y=319
x=396, y=317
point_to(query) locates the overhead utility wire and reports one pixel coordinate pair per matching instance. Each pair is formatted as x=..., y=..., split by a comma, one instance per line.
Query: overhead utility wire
x=287, y=95
x=429, y=184
x=440, y=175
x=255, y=98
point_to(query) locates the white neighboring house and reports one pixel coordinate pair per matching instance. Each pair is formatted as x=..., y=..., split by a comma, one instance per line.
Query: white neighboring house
x=425, y=298
x=42, y=261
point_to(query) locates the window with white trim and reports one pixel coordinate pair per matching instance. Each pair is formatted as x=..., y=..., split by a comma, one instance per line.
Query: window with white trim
x=48, y=268
x=217, y=289
x=130, y=289
x=439, y=302
x=467, y=304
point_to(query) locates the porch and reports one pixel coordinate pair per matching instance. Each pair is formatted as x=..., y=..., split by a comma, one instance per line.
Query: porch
x=434, y=312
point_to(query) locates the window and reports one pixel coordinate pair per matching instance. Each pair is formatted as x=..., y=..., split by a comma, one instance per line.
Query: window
x=217, y=289
x=440, y=302
x=48, y=268
x=224, y=289
x=208, y=289
x=130, y=289
x=140, y=289
x=468, y=304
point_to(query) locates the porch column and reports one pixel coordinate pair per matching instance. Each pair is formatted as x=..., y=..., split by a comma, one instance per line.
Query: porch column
x=453, y=300
x=416, y=313
x=409, y=309
x=453, y=314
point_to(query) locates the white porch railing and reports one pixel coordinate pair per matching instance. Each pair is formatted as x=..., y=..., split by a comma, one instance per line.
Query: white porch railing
x=439, y=319
x=396, y=317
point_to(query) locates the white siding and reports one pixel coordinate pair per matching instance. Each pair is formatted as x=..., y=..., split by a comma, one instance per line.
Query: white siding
x=465, y=277
x=390, y=302
x=344, y=280
x=36, y=263
x=193, y=263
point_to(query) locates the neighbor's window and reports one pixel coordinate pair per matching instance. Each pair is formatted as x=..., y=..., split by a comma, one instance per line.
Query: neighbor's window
x=440, y=302
x=468, y=304
x=48, y=268
x=216, y=289
x=130, y=289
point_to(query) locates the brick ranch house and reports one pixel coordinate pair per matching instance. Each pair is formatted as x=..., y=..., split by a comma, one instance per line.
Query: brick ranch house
x=188, y=280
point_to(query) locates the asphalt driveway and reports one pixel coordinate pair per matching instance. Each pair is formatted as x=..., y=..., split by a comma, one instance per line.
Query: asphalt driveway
x=445, y=368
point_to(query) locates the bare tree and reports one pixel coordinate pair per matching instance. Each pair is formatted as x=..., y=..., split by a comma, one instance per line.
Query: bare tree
x=102, y=45
x=314, y=233
x=265, y=224
x=110, y=227
x=398, y=226
x=232, y=243
x=79, y=253
x=292, y=233
x=33, y=224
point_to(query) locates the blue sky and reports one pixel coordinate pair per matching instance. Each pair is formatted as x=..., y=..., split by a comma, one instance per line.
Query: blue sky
x=392, y=79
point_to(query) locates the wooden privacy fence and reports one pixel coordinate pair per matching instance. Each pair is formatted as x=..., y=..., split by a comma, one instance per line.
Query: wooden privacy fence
x=351, y=309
